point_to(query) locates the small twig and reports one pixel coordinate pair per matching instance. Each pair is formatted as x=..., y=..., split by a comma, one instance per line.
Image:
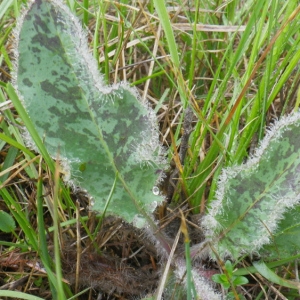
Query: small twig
x=282, y=297
x=18, y=170
x=133, y=254
x=78, y=246
x=13, y=285
x=297, y=273
x=187, y=129
x=166, y=271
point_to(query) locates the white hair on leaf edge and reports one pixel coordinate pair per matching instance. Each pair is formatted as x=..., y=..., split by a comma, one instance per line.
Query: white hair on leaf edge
x=217, y=206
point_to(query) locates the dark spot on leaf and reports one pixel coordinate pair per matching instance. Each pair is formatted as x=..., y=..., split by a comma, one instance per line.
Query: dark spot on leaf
x=38, y=3
x=39, y=24
x=27, y=82
x=64, y=78
x=35, y=50
x=55, y=92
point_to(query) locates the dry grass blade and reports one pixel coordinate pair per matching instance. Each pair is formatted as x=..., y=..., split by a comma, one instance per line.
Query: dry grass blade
x=164, y=277
x=208, y=28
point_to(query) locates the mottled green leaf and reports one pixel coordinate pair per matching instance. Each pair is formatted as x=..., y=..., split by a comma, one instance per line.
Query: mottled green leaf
x=253, y=198
x=7, y=223
x=97, y=130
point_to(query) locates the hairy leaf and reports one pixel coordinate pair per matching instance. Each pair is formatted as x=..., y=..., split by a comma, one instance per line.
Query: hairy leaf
x=253, y=198
x=98, y=131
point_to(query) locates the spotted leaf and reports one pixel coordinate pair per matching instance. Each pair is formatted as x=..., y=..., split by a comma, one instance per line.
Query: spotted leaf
x=254, y=199
x=99, y=131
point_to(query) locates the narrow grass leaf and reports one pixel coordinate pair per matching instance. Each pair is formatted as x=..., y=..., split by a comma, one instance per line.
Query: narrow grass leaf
x=20, y=217
x=19, y=295
x=4, y=7
x=263, y=269
x=8, y=162
x=42, y=240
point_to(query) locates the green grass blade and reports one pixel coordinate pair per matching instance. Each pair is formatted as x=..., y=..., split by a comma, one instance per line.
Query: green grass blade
x=4, y=6
x=263, y=269
x=30, y=127
x=19, y=295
